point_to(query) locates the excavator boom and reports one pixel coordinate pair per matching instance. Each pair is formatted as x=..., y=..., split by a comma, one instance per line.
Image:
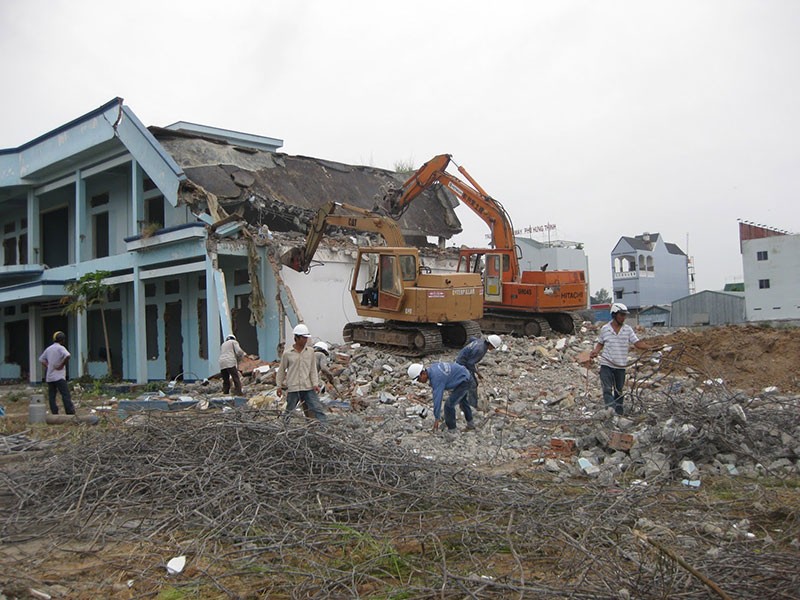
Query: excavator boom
x=359, y=219
x=515, y=301
x=482, y=204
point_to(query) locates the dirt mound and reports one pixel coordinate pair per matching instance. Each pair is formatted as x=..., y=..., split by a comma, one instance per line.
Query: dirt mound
x=747, y=358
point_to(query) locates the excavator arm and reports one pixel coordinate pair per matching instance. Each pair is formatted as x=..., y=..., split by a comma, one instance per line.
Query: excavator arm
x=358, y=219
x=482, y=204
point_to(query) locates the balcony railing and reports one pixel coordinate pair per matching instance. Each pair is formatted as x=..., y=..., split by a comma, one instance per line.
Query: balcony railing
x=633, y=274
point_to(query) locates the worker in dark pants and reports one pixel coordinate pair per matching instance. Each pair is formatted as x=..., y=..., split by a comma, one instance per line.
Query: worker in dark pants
x=612, y=345
x=446, y=376
x=230, y=353
x=469, y=357
x=55, y=359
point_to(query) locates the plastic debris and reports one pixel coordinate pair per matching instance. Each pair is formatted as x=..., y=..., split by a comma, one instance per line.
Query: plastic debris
x=175, y=565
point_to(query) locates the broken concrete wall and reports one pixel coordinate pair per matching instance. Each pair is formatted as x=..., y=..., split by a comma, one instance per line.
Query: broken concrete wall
x=284, y=191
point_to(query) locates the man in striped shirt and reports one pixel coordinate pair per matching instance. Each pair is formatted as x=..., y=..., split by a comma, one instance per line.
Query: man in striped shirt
x=613, y=342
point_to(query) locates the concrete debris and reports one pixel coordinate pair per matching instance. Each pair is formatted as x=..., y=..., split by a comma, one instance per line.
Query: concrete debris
x=538, y=410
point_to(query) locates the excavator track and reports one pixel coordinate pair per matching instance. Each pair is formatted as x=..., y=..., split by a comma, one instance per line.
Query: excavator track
x=526, y=325
x=405, y=338
x=457, y=334
x=565, y=322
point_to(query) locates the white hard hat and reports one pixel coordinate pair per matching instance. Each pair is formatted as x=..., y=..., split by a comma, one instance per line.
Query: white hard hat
x=414, y=370
x=619, y=307
x=322, y=346
x=494, y=340
x=301, y=330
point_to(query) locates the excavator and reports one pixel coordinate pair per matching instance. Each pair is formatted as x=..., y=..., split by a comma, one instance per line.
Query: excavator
x=421, y=311
x=530, y=303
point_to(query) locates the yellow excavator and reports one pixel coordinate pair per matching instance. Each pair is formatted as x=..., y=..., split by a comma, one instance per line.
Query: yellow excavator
x=420, y=311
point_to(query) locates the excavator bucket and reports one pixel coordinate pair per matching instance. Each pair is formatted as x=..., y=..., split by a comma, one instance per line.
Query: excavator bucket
x=293, y=258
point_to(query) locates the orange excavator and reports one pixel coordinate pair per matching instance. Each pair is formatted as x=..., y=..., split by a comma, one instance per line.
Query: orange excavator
x=531, y=303
x=420, y=311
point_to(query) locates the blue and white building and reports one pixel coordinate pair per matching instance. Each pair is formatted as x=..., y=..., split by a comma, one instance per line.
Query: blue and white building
x=648, y=271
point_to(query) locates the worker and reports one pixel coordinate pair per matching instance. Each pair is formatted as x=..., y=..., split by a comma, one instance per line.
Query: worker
x=612, y=345
x=298, y=376
x=446, y=376
x=230, y=353
x=55, y=358
x=322, y=355
x=470, y=355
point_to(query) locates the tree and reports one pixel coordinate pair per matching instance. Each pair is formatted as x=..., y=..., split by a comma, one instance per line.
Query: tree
x=404, y=166
x=601, y=296
x=86, y=292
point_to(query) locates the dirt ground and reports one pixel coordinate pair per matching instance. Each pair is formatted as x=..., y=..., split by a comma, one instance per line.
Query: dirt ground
x=747, y=358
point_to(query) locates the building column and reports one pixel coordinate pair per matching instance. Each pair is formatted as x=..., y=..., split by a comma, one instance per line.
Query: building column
x=80, y=333
x=137, y=199
x=214, y=280
x=34, y=337
x=271, y=329
x=34, y=244
x=140, y=332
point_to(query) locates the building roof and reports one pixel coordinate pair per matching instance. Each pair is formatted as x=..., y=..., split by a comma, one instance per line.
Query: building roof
x=673, y=249
x=285, y=191
x=647, y=242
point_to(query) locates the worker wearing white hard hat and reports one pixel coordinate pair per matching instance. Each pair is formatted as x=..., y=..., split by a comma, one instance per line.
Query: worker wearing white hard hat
x=613, y=342
x=446, y=376
x=298, y=376
x=470, y=355
x=230, y=353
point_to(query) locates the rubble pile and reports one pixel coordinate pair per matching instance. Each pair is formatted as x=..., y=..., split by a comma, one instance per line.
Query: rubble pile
x=540, y=408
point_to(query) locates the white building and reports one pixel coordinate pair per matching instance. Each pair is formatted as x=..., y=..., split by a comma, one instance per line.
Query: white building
x=648, y=271
x=771, y=266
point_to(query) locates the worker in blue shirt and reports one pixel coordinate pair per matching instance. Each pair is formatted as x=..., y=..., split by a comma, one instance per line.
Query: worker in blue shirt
x=470, y=355
x=446, y=376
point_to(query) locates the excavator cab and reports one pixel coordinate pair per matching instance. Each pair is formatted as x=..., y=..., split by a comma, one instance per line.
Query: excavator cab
x=421, y=311
x=494, y=267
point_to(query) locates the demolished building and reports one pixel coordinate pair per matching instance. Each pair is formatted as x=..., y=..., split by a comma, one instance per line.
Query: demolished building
x=186, y=221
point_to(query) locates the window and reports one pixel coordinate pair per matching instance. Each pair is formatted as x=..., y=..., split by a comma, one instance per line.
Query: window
x=154, y=211
x=10, y=251
x=408, y=265
x=389, y=284
x=14, y=243
x=763, y=284
x=99, y=200
x=762, y=255
x=617, y=294
x=172, y=286
x=101, y=237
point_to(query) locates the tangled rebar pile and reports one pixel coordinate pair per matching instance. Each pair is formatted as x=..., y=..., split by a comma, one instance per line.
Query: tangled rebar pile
x=265, y=509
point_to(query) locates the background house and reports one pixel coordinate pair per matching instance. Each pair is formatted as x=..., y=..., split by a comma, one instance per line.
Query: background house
x=771, y=267
x=648, y=271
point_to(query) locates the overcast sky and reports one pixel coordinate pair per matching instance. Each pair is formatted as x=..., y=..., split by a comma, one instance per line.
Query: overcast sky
x=607, y=119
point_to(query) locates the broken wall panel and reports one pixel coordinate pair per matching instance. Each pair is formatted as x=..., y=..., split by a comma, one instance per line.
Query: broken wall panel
x=284, y=191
